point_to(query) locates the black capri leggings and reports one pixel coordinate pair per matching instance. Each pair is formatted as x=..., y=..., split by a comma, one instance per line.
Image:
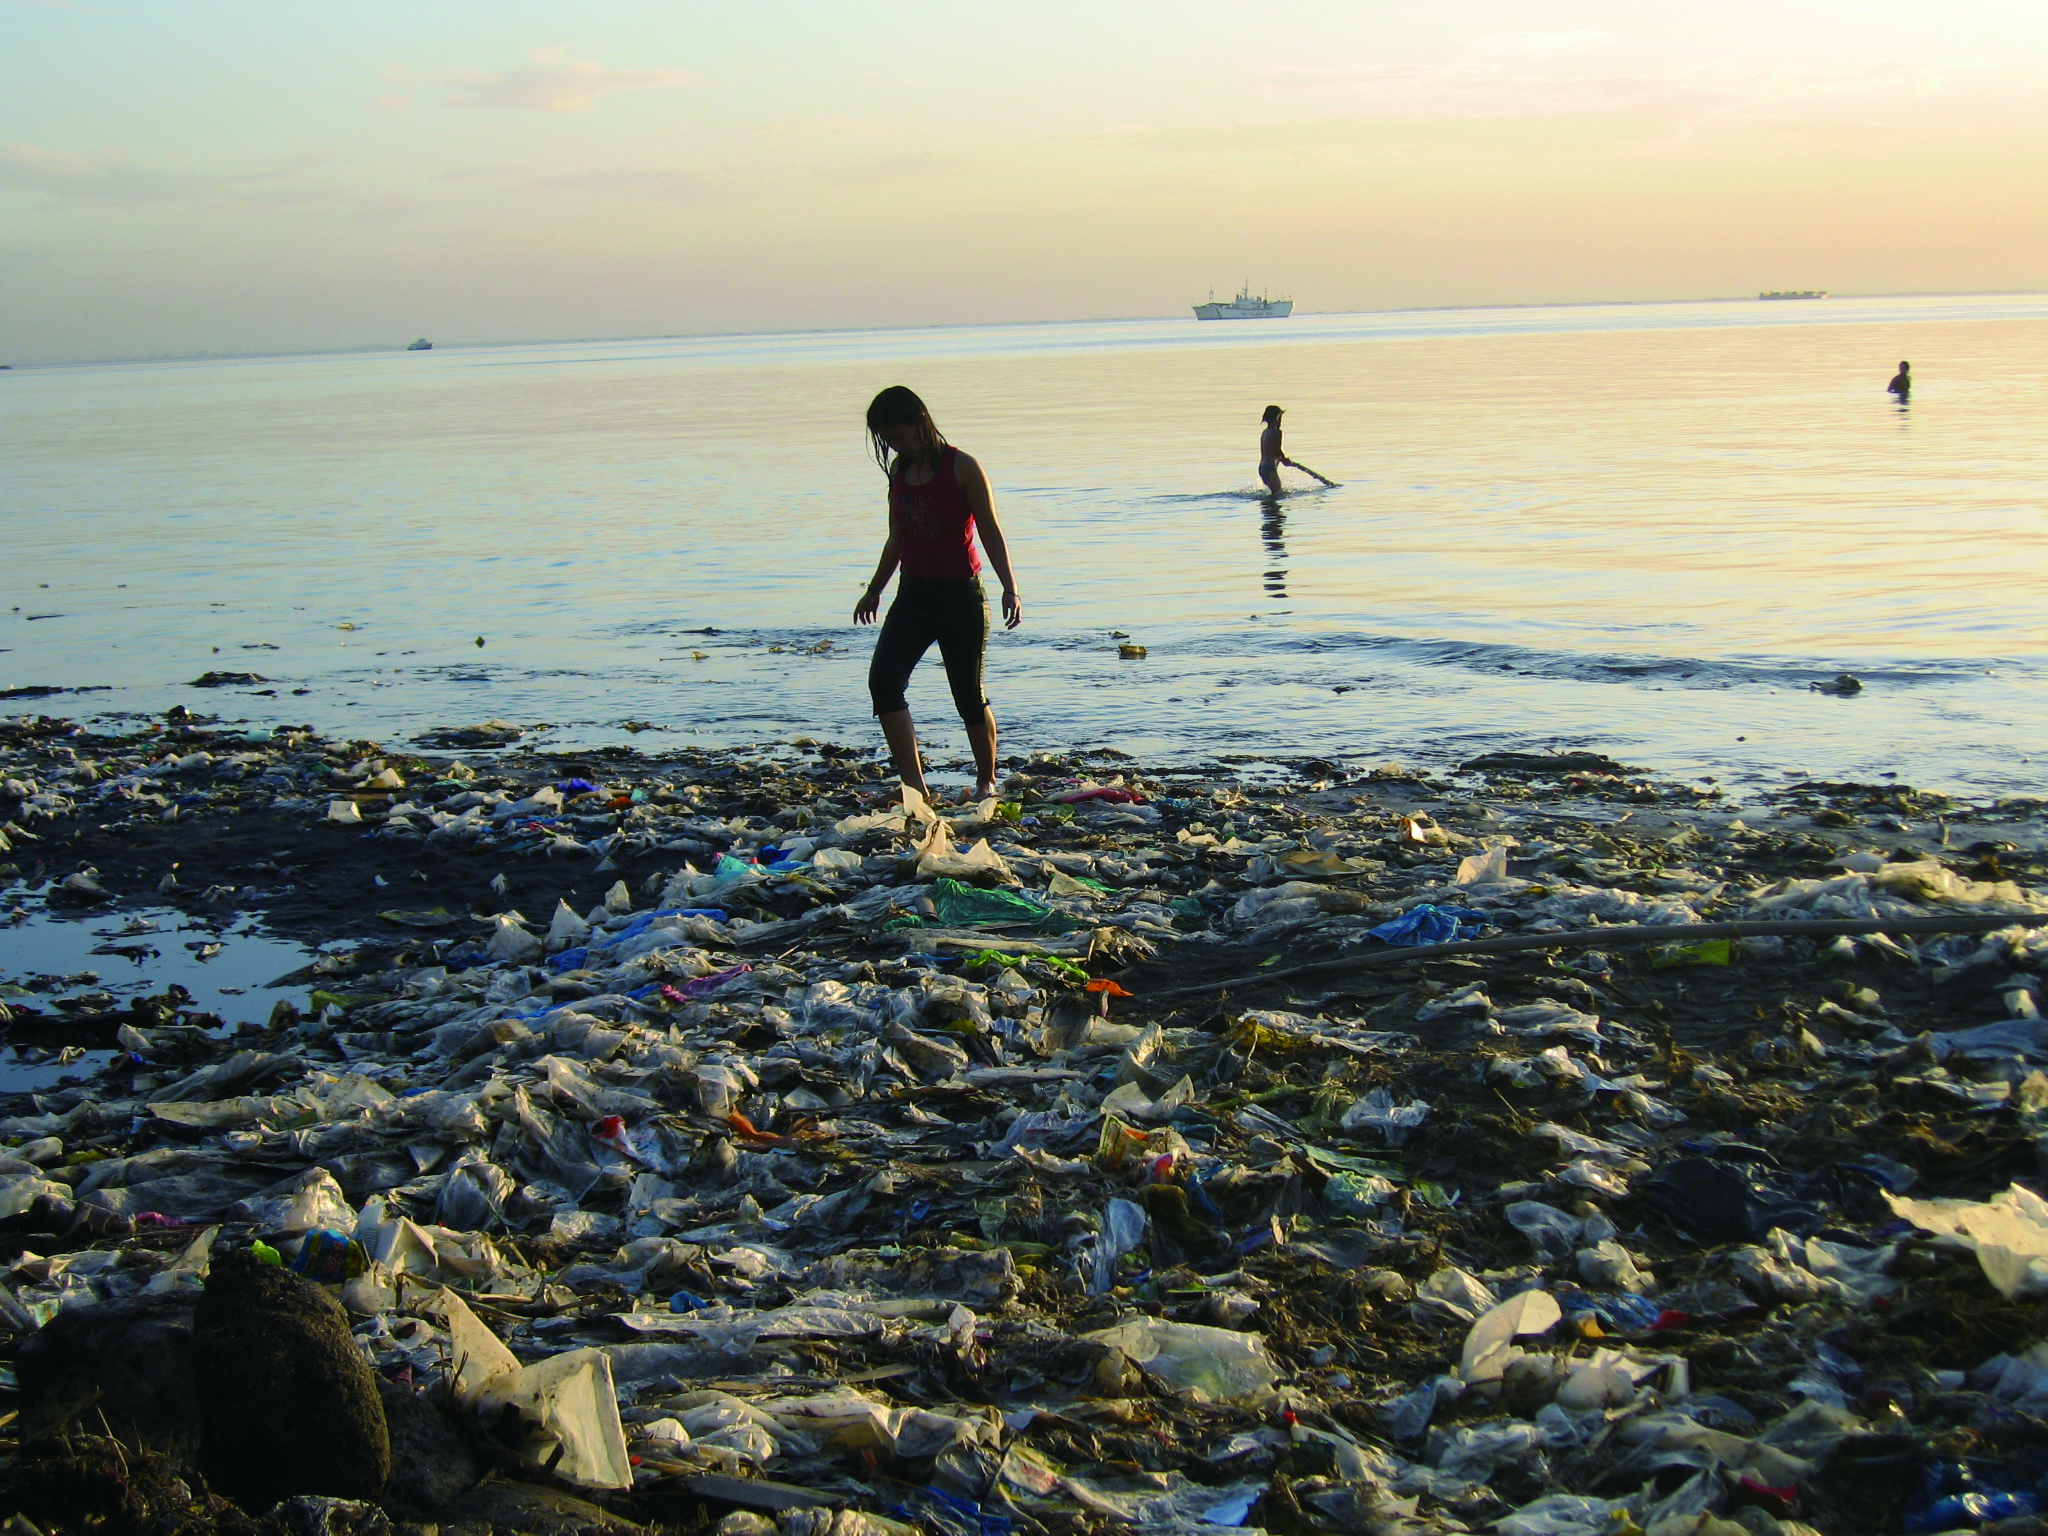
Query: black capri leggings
x=954, y=613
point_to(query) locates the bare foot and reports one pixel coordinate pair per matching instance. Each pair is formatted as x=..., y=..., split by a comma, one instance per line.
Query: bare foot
x=985, y=790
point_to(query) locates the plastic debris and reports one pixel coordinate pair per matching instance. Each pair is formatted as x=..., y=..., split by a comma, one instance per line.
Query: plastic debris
x=1188, y=1357
x=834, y=1163
x=2008, y=1233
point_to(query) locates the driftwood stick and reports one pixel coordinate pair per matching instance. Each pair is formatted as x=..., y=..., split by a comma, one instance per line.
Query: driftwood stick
x=1632, y=933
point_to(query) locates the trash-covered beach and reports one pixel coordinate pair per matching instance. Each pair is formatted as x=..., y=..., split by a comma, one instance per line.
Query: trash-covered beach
x=723, y=1140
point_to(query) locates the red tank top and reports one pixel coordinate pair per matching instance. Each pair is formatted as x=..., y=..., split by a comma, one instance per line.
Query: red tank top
x=933, y=528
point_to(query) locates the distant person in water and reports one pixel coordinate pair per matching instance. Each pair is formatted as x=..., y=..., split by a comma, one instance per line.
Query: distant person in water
x=1902, y=381
x=1270, y=455
x=938, y=502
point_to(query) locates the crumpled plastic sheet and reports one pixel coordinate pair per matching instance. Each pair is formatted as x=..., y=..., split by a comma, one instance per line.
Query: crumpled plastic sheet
x=2008, y=1233
x=1431, y=924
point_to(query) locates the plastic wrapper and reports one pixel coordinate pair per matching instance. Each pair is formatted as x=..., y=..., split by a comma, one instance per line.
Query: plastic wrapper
x=1188, y=1357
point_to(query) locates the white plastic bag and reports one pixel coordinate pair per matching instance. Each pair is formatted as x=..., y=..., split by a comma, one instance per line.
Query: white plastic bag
x=938, y=859
x=1123, y=1228
x=512, y=942
x=567, y=929
x=565, y=1404
x=1190, y=1357
x=1490, y=1346
x=1488, y=868
x=2008, y=1233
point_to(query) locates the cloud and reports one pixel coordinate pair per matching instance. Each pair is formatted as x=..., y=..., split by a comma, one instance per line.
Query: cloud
x=899, y=168
x=1552, y=74
x=65, y=178
x=645, y=186
x=554, y=82
x=72, y=177
x=18, y=260
x=838, y=129
x=394, y=102
x=1524, y=76
x=1514, y=74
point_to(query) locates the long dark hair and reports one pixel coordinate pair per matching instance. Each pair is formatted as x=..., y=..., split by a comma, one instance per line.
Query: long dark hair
x=894, y=407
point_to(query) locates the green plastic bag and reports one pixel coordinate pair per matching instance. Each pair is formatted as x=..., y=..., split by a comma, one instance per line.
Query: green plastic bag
x=995, y=960
x=1705, y=952
x=962, y=906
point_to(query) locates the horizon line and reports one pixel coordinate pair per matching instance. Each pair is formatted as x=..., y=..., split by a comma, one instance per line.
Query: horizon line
x=946, y=325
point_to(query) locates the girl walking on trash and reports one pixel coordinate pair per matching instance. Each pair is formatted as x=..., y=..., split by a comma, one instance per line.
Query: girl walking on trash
x=938, y=501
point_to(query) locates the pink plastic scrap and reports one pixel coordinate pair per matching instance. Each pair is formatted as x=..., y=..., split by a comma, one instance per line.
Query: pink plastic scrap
x=704, y=986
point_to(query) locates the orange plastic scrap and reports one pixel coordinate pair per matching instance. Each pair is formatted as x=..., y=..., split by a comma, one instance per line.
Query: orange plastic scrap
x=1105, y=985
x=746, y=1130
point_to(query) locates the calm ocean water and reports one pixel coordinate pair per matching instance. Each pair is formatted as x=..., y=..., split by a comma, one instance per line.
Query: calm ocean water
x=1640, y=528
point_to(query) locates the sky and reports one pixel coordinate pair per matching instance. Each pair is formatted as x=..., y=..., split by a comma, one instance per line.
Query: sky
x=264, y=176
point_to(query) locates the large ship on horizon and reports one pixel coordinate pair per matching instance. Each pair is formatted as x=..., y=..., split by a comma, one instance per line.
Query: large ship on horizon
x=1244, y=307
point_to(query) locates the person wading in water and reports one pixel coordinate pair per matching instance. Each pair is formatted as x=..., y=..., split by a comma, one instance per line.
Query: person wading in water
x=1271, y=456
x=938, y=502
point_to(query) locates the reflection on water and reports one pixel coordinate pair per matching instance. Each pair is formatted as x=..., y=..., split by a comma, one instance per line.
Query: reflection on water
x=59, y=967
x=1654, y=562
x=132, y=952
x=1273, y=532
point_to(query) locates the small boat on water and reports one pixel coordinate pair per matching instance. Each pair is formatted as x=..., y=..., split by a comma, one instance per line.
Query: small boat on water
x=1244, y=307
x=422, y=345
x=1795, y=293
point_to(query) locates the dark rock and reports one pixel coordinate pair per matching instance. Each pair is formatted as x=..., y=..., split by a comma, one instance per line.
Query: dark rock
x=1543, y=763
x=130, y=1360
x=532, y=1511
x=432, y=1462
x=316, y=1515
x=227, y=680
x=754, y=1492
x=287, y=1403
x=72, y=1482
x=491, y=733
x=1722, y=1200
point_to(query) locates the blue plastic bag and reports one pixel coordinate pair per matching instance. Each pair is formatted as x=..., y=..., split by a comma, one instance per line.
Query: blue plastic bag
x=1430, y=924
x=646, y=920
x=1964, y=1493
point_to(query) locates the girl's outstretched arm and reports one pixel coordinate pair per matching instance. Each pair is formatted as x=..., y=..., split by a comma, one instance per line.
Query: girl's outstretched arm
x=981, y=503
x=871, y=600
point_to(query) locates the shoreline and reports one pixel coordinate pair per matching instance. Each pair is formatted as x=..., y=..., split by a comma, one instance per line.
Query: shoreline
x=1014, y=1103
x=251, y=779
